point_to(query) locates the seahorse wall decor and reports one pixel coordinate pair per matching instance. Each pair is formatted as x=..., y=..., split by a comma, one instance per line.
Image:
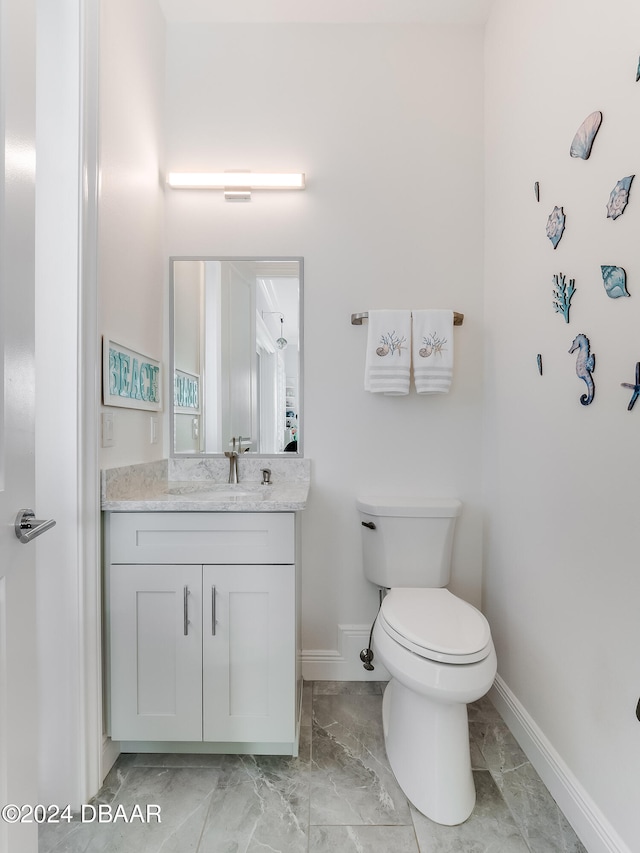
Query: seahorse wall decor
x=585, y=365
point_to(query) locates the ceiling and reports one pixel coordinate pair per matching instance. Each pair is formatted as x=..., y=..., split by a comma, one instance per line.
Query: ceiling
x=327, y=11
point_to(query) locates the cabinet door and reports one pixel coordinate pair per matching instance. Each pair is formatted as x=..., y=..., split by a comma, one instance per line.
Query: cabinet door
x=156, y=652
x=249, y=653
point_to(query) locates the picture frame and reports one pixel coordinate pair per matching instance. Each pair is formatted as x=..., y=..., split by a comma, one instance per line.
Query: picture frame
x=186, y=393
x=130, y=379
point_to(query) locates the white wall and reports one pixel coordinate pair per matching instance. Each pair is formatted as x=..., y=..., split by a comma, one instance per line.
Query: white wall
x=387, y=123
x=132, y=267
x=562, y=584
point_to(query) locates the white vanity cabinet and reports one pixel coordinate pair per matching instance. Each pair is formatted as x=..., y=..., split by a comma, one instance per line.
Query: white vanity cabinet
x=202, y=631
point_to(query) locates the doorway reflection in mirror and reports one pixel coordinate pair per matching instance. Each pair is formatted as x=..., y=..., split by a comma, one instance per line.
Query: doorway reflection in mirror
x=236, y=347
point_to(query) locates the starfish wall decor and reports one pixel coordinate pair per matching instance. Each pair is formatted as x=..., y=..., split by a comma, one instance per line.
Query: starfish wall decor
x=636, y=388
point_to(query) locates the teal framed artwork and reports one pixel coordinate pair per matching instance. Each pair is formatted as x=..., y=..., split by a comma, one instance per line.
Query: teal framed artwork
x=186, y=392
x=129, y=378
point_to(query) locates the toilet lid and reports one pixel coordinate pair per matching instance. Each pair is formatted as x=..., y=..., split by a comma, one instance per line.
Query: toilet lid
x=436, y=624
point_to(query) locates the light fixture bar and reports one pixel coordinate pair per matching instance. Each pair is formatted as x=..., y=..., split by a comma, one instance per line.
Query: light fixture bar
x=239, y=180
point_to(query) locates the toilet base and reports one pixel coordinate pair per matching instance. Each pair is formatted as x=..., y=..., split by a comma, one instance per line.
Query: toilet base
x=427, y=746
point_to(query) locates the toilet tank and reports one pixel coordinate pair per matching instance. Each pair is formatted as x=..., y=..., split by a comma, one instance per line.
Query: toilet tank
x=411, y=540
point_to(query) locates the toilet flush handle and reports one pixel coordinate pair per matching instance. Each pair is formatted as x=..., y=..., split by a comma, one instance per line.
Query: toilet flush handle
x=369, y=524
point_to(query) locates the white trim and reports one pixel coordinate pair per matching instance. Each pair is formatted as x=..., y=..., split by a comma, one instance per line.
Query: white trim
x=89, y=379
x=109, y=754
x=63, y=566
x=594, y=830
x=343, y=663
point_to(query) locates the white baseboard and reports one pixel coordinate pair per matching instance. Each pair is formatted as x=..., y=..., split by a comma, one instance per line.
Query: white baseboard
x=593, y=829
x=343, y=663
x=110, y=752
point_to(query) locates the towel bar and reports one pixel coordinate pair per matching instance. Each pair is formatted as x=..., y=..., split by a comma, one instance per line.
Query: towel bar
x=356, y=319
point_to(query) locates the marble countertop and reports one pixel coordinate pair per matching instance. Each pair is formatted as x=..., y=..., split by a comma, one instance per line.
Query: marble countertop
x=213, y=497
x=150, y=488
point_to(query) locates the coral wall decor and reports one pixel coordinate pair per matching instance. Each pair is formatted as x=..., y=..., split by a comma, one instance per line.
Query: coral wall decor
x=562, y=294
x=555, y=226
x=585, y=365
x=615, y=281
x=586, y=133
x=635, y=386
x=619, y=197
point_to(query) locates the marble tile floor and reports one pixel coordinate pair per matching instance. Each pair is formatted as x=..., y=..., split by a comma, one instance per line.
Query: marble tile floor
x=337, y=796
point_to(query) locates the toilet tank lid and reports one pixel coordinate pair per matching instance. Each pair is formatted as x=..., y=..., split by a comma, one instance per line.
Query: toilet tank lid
x=409, y=507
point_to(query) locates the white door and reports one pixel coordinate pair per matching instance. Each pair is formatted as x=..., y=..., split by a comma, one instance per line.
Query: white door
x=18, y=720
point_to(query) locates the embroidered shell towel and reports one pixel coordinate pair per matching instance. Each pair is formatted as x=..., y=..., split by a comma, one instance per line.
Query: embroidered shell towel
x=388, y=360
x=432, y=349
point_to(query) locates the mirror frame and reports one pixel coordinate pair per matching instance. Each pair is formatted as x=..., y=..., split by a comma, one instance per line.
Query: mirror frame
x=299, y=454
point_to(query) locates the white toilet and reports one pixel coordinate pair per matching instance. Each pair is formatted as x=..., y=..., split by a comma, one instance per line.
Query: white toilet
x=436, y=647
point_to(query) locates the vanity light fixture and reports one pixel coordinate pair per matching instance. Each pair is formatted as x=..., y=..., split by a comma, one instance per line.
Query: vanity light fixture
x=237, y=185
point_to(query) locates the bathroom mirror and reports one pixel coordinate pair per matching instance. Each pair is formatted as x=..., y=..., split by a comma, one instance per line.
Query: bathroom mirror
x=236, y=336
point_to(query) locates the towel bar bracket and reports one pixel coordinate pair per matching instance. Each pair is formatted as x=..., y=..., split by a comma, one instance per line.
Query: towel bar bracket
x=356, y=319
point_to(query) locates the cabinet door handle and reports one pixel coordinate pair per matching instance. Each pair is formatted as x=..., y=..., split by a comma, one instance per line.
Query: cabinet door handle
x=213, y=611
x=186, y=611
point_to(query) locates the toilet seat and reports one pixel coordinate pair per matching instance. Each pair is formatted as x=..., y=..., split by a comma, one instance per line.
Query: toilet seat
x=435, y=624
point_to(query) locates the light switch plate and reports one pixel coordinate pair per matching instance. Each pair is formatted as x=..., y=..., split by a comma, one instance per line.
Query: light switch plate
x=108, y=429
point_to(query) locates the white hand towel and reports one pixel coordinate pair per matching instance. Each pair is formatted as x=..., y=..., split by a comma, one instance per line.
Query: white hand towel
x=432, y=349
x=388, y=360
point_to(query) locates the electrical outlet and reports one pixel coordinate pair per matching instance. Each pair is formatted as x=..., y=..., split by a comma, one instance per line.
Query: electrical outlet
x=108, y=429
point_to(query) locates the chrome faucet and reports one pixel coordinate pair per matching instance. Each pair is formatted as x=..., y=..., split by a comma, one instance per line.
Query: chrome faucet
x=232, y=456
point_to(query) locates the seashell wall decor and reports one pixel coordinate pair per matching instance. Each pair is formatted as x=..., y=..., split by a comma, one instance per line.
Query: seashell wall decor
x=614, y=278
x=619, y=197
x=585, y=135
x=615, y=281
x=555, y=226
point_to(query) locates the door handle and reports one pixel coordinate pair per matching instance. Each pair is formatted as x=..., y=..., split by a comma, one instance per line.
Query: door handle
x=369, y=524
x=27, y=526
